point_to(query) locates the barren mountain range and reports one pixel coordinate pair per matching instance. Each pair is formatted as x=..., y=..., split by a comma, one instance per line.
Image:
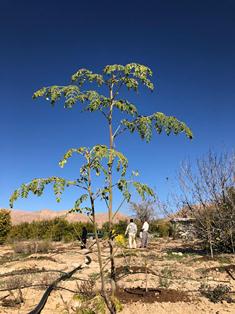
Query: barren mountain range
x=19, y=216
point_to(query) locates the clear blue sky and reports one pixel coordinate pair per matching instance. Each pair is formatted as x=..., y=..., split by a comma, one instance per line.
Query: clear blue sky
x=189, y=45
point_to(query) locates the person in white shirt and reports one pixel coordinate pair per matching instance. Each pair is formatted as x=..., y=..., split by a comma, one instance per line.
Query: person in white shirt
x=144, y=239
x=131, y=230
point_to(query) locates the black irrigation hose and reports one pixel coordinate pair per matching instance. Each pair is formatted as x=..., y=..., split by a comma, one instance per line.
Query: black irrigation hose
x=142, y=293
x=229, y=273
x=41, y=304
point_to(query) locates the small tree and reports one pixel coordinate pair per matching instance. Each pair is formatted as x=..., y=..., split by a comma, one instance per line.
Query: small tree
x=208, y=196
x=144, y=211
x=101, y=159
x=5, y=224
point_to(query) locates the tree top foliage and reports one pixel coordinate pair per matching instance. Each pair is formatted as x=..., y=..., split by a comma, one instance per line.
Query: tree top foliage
x=115, y=77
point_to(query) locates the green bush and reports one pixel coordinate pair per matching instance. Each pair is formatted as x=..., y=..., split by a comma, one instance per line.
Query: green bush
x=216, y=294
x=119, y=227
x=161, y=227
x=57, y=229
x=5, y=224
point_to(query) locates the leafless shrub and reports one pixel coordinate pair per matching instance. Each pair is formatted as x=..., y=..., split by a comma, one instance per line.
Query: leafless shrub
x=47, y=279
x=144, y=211
x=12, y=302
x=32, y=247
x=208, y=195
x=86, y=289
x=15, y=285
x=16, y=282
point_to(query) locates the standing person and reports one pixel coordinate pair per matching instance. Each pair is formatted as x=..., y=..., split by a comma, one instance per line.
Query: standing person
x=84, y=237
x=144, y=239
x=131, y=230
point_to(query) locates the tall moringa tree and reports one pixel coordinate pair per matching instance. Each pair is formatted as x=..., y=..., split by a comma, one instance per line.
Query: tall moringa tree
x=114, y=78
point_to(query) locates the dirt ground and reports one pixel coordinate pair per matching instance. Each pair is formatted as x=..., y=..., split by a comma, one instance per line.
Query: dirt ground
x=174, y=272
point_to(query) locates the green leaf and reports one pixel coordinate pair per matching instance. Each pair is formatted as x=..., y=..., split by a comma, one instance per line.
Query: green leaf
x=130, y=75
x=123, y=188
x=125, y=106
x=144, y=190
x=84, y=75
x=81, y=150
x=36, y=186
x=78, y=203
x=159, y=121
x=135, y=173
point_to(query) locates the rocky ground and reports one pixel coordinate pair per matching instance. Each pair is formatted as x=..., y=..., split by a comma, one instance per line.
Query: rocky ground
x=174, y=272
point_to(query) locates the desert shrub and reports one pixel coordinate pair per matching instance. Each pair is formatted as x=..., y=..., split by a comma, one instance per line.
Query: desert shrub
x=165, y=278
x=216, y=294
x=32, y=247
x=5, y=224
x=86, y=289
x=90, y=306
x=21, y=247
x=16, y=282
x=43, y=246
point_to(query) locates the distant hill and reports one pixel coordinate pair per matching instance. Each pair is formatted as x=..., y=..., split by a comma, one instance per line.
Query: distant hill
x=19, y=216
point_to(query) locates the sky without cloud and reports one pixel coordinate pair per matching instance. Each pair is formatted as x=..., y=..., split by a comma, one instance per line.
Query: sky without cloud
x=189, y=45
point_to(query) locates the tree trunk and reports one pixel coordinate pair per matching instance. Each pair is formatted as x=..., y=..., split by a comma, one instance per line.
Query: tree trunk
x=110, y=166
x=109, y=304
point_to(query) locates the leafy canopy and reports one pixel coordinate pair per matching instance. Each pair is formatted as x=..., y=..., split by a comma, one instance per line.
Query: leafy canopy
x=115, y=77
x=94, y=162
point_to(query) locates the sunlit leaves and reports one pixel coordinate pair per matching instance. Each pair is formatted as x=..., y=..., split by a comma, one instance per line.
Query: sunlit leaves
x=114, y=68
x=84, y=75
x=114, y=77
x=94, y=159
x=71, y=93
x=96, y=101
x=144, y=125
x=143, y=190
x=36, y=186
x=69, y=153
x=135, y=173
x=100, y=159
x=125, y=106
x=130, y=75
x=124, y=189
x=99, y=152
x=77, y=205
